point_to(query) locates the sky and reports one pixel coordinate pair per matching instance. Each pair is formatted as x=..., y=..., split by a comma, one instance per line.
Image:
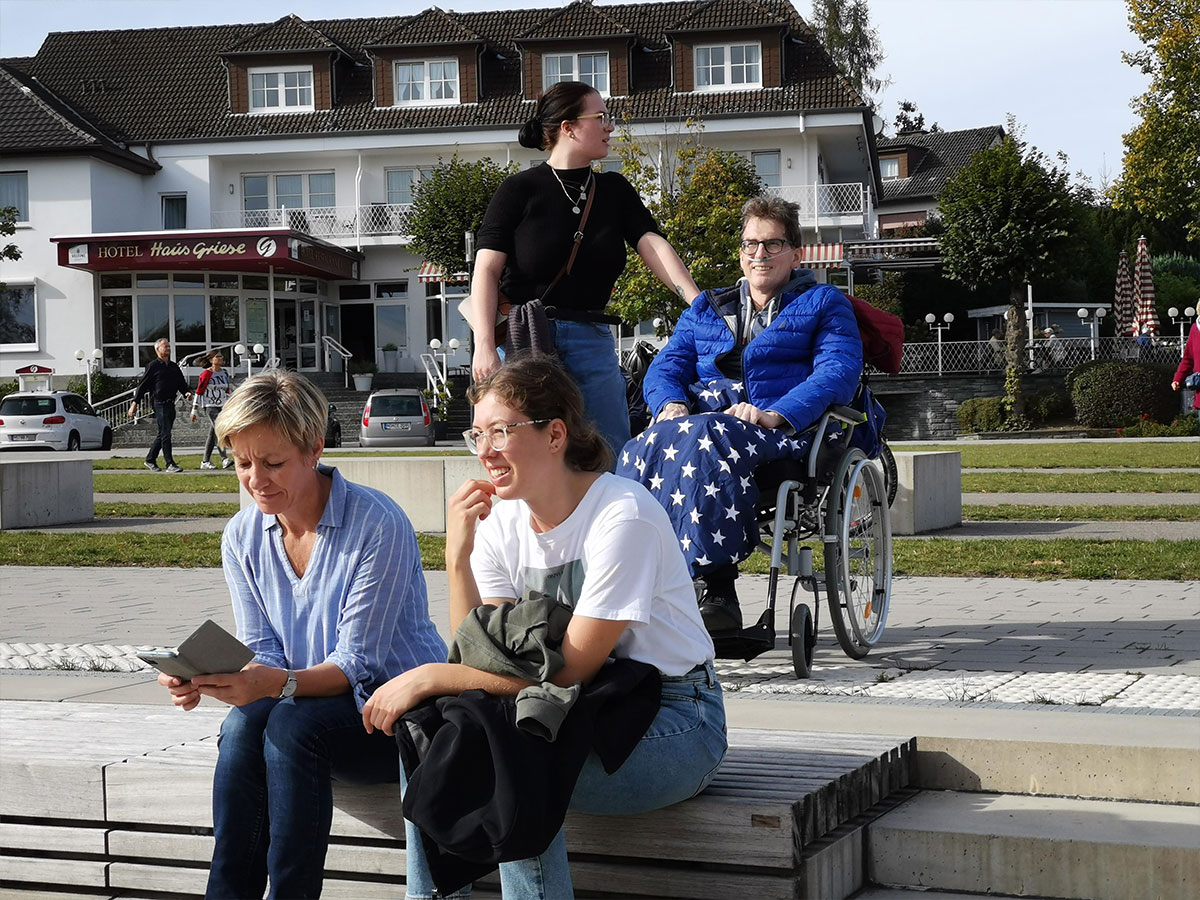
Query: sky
x=1053, y=64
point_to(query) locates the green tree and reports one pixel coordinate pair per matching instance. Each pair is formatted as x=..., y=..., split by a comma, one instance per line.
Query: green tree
x=1161, y=176
x=909, y=118
x=8, y=227
x=1008, y=215
x=844, y=27
x=697, y=204
x=448, y=202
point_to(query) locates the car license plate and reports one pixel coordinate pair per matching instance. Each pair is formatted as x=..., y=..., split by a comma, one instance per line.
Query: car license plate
x=397, y=426
x=21, y=437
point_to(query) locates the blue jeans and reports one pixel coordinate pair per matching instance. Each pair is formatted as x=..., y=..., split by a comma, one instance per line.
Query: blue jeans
x=164, y=417
x=588, y=352
x=676, y=759
x=272, y=791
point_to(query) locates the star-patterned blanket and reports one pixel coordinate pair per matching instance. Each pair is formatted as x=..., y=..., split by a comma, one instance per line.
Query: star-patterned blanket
x=701, y=469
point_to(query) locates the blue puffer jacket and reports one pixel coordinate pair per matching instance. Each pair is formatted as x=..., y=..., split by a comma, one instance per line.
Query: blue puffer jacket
x=806, y=360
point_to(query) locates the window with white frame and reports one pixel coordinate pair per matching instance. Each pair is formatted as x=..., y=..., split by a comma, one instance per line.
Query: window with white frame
x=722, y=67
x=14, y=192
x=282, y=89
x=426, y=82
x=263, y=196
x=402, y=183
x=18, y=317
x=590, y=68
x=766, y=164
x=889, y=167
x=174, y=211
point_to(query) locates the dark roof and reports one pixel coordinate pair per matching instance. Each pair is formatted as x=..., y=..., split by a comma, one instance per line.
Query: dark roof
x=170, y=84
x=433, y=26
x=945, y=152
x=291, y=34
x=575, y=19
x=38, y=122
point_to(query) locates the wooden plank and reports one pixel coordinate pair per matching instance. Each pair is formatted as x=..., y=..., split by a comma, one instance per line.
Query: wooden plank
x=51, y=789
x=142, y=877
x=14, y=893
x=46, y=871
x=163, y=846
x=628, y=879
x=14, y=836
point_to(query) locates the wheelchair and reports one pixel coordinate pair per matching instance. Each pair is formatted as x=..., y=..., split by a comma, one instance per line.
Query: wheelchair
x=839, y=496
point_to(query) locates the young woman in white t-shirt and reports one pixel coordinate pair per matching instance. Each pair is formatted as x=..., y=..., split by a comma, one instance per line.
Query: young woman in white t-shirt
x=552, y=519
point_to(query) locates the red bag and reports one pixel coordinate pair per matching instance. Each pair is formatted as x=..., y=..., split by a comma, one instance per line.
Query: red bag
x=882, y=336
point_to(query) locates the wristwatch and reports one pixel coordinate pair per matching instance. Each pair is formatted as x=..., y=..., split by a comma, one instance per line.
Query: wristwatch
x=289, y=686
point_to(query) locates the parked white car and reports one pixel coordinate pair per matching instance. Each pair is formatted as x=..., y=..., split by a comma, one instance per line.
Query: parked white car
x=51, y=420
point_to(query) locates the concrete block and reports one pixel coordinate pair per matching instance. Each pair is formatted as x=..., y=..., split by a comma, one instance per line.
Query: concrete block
x=929, y=492
x=53, y=491
x=1044, y=846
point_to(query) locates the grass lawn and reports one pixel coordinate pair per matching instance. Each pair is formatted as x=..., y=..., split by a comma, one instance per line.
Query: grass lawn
x=199, y=483
x=192, y=461
x=1021, y=558
x=217, y=510
x=1083, y=482
x=1011, y=512
x=1048, y=455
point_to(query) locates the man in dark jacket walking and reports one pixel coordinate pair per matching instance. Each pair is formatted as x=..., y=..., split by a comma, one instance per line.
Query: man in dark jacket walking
x=162, y=381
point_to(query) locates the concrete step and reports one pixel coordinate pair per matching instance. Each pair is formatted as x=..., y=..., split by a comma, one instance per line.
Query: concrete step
x=1041, y=846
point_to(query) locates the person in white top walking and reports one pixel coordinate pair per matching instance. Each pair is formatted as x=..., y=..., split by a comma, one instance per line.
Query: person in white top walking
x=211, y=393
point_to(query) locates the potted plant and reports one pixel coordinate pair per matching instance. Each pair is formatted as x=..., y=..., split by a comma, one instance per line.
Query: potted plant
x=438, y=401
x=390, y=351
x=363, y=373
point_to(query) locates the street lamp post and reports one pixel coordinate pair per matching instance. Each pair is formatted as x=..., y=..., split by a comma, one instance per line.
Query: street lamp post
x=1182, y=321
x=245, y=353
x=1093, y=320
x=92, y=364
x=939, y=327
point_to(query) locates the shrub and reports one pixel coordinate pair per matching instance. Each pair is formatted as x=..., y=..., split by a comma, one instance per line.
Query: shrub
x=1184, y=426
x=103, y=385
x=1116, y=394
x=981, y=414
x=1046, y=406
x=7, y=387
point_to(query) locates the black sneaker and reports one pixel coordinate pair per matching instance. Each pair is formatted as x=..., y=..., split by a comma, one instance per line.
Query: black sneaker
x=720, y=610
x=152, y=466
x=174, y=469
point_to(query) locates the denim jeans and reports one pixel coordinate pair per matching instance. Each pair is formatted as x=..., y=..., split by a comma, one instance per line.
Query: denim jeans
x=211, y=442
x=588, y=352
x=164, y=417
x=676, y=759
x=272, y=791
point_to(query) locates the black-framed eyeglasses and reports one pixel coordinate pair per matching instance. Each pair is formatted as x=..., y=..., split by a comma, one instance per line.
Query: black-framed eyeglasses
x=496, y=436
x=773, y=245
x=605, y=118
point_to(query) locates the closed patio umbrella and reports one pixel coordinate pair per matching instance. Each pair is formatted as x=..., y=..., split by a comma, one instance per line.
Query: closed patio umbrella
x=1123, y=298
x=1144, y=311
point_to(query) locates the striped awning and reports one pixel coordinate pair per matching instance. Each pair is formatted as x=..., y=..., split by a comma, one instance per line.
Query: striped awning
x=429, y=273
x=816, y=256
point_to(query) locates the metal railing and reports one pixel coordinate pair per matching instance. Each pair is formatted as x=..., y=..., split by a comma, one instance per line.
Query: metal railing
x=1049, y=356
x=331, y=347
x=376, y=219
x=821, y=203
x=435, y=379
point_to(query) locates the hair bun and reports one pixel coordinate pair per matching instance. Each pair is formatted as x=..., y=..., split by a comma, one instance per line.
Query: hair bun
x=531, y=135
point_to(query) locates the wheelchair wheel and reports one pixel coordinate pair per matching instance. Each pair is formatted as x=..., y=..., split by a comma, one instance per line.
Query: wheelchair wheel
x=804, y=639
x=890, y=476
x=858, y=559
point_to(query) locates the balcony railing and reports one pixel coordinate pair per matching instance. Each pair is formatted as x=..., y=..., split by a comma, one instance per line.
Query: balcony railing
x=374, y=220
x=824, y=205
x=1059, y=355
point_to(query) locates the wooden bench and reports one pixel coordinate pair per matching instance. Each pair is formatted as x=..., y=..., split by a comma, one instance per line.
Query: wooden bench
x=117, y=798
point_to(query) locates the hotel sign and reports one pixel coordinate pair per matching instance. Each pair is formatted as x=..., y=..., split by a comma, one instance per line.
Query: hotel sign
x=231, y=251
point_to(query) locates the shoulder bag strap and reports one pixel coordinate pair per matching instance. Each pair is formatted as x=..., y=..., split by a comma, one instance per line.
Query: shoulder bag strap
x=566, y=269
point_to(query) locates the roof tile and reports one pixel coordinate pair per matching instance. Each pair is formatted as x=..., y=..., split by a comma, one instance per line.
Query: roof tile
x=945, y=153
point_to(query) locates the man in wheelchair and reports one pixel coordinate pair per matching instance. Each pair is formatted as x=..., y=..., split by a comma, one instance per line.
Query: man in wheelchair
x=747, y=369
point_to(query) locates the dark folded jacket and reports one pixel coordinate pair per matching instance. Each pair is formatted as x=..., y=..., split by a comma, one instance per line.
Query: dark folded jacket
x=484, y=792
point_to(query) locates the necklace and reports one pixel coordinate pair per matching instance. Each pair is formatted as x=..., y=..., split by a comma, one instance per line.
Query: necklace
x=582, y=190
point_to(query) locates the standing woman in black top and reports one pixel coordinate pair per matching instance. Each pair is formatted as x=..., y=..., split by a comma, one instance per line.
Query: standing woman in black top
x=527, y=235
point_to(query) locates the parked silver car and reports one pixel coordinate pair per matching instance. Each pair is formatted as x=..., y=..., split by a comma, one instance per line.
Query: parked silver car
x=396, y=418
x=51, y=420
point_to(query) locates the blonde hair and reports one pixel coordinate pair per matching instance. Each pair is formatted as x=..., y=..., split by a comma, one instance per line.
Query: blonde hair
x=285, y=402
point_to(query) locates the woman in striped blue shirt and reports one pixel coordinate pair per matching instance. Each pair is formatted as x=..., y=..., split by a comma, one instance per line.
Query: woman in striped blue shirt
x=329, y=594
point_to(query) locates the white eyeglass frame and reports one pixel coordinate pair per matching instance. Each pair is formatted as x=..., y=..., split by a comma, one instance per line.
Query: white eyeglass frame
x=473, y=436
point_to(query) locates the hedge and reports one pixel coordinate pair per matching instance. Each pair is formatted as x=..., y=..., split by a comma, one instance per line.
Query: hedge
x=1117, y=394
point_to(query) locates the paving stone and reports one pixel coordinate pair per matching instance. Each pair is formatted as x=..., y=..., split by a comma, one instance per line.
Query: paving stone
x=1062, y=687
x=1160, y=692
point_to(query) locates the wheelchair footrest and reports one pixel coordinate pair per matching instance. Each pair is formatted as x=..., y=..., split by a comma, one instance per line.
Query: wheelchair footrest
x=749, y=642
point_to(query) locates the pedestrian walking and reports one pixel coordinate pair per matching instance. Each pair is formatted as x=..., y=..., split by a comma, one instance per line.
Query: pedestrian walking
x=211, y=393
x=163, y=381
x=1188, y=373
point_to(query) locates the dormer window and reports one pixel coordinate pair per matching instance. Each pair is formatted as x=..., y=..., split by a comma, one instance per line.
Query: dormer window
x=281, y=89
x=889, y=167
x=722, y=67
x=426, y=82
x=590, y=68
